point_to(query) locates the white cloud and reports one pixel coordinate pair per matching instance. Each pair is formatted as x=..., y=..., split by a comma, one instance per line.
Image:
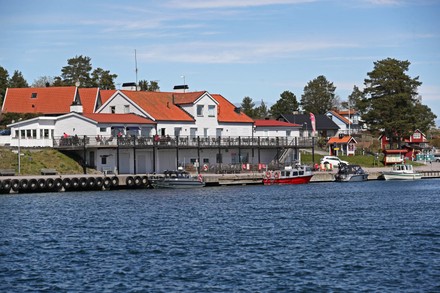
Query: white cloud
x=205, y=4
x=234, y=52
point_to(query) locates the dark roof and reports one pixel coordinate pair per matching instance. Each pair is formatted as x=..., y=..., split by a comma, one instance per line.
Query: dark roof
x=322, y=121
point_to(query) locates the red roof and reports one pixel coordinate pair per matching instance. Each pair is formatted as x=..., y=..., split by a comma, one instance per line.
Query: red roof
x=158, y=105
x=88, y=98
x=187, y=98
x=343, y=139
x=226, y=111
x=274, y=123
x=118, y=118
x=342, y=118
x=48, y=100
x=106, y=94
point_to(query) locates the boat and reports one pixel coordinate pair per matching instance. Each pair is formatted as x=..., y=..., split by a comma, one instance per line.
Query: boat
x=290, y=175
x=351, y=173
x=401, y=172
x=177, y=179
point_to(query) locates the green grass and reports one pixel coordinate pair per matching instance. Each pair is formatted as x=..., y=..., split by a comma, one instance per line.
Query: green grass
x=33, y=160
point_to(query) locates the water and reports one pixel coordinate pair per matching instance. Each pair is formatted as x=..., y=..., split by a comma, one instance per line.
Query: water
x=323, y=237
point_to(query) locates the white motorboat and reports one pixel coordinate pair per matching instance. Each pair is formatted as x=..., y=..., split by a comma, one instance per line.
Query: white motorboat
x=177, y=179
x=401, y=172
x=351, y=173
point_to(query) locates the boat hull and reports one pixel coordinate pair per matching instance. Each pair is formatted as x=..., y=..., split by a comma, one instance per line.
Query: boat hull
x=403, y=176
x=292, y=180
x=178, y=184
x=352, y=178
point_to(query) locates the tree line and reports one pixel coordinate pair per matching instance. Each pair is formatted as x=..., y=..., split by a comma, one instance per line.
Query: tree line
x=389, y=102
x=79, y=69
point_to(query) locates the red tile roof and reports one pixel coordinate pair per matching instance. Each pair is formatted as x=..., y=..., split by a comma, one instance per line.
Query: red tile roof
x=186, y=98
x=49, y=100
x=274, y=123
x=343, y=139
x=106, y=94
x=226, y=111
x=118, y=118
x=88, y=98
x=159, y=105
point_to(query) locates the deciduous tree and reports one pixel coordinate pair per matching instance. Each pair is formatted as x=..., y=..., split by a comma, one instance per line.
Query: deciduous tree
x=43, y=81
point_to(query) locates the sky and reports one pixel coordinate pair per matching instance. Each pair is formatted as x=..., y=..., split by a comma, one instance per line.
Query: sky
x=236, y=48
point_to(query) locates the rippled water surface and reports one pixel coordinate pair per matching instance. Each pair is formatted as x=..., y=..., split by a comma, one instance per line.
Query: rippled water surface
x=362, y=237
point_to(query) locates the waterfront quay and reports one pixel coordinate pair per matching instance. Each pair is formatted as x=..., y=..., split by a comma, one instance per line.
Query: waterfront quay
x=89, y=182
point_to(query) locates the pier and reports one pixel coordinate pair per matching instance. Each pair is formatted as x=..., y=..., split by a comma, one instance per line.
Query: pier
x=82, y=182
x=56, y=183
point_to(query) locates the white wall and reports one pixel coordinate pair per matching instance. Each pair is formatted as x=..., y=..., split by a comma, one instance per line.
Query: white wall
x=75, y=125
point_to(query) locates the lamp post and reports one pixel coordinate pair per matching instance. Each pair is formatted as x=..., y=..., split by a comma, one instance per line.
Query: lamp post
x=18, y=149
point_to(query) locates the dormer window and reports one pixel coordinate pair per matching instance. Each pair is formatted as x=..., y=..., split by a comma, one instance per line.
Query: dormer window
x=33, y=95
x=112, y=109
x=126, y=109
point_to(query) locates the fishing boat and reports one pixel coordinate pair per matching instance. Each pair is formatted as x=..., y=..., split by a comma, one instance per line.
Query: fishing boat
x=401, y=172
x=177, y=179
x=351, y=173
x=290, y=175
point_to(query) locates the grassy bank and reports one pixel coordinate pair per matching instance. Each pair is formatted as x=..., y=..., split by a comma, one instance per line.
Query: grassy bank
x=33, y=160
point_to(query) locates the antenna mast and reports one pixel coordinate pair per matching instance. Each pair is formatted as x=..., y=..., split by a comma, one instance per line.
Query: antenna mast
x=136, y=68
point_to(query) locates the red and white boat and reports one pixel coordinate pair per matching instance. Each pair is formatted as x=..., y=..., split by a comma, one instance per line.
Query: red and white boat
x=290, y=175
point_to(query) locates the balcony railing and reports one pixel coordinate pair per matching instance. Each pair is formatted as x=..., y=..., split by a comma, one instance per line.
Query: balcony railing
x=181, y=141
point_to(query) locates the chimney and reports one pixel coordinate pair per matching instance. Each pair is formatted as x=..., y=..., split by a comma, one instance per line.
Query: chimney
x=180, y=88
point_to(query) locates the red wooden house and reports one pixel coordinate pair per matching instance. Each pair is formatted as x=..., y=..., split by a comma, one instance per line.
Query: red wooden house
x=411, y=146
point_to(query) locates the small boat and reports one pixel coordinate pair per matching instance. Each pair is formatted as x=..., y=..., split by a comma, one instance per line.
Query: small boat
x=290, y=175
x=177, y=179
x=401, y=172
x=351, y=173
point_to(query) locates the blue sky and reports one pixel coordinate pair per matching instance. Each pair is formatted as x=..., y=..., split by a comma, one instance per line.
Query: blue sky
x=237, y=48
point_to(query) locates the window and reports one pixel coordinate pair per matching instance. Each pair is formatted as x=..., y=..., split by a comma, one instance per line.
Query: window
x=102, y=129
x=104, y=160
x=126, y=109
x=112, y=109
x=34, y=96
x=417, y=135
x=211, y=110
x=200, y=110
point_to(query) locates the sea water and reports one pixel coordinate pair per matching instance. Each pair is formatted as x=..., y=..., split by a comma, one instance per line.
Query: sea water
x=375, y=236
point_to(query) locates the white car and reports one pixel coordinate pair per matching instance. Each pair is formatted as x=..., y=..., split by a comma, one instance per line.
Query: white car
x=335, y=161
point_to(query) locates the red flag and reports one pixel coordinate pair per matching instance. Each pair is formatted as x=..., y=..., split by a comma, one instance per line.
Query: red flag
x=312, y=120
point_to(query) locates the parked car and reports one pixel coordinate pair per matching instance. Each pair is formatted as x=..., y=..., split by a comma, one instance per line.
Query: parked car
x=5, y=132
x=335, y=161
x=437, y=157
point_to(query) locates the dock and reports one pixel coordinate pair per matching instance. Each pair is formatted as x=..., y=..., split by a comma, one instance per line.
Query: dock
x=82, y=182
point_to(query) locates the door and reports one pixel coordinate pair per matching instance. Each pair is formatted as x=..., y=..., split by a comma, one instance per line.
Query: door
x=124, y=163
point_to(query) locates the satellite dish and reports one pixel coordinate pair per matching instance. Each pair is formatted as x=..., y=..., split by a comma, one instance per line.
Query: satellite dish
x=77, y=84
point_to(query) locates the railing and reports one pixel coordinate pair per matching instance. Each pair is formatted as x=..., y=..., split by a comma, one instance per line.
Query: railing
x=181, y=141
